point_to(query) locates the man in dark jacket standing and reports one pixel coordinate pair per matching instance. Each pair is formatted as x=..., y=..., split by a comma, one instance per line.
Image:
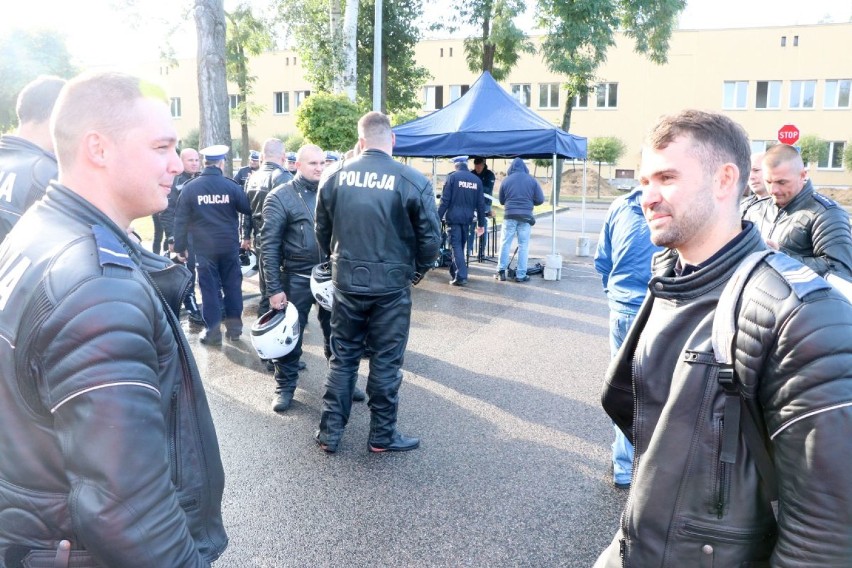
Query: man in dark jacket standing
x=110, y=457
x=488, y=179
x=519, y=193
x=461, y=197
x=271, y=174
x=377, y=219
x=208, y=214
x=27, y=162
x=718, y=438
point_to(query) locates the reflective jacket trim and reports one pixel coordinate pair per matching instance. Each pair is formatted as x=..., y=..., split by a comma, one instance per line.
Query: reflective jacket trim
x=808, y=415
x=90, y=389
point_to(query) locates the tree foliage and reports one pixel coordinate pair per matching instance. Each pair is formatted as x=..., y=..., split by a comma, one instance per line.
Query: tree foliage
x=847, y=156
x=813, y=149
x=500, y=43
x=579, y=33
x=329, y=121
x=606, y=149
x=246, y=36
x=24, y=55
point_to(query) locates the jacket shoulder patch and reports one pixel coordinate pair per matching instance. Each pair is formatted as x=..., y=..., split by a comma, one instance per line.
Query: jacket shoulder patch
x=110, y=249
x=802, y=279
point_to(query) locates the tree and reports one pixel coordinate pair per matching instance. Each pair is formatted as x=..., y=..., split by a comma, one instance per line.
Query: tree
x=349, y=77
x=500, y=42
x=606, y=149
x=212, y=82
x=579, y=33
x=329, y=121
x=813, y=149
x=246, y=35
x=26, y=55
x=847, y=156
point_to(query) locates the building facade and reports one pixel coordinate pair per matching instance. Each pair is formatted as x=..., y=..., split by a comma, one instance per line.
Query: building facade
x=764, y=78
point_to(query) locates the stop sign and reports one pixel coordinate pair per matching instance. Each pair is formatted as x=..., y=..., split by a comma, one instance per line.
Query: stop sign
x=788, y=134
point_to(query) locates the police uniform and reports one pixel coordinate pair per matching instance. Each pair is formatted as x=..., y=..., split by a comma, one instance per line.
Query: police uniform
x=25, y=170
x=461, y=197
x=376, y=218
x=245, y=172
x=167, y=217
x=208, y=215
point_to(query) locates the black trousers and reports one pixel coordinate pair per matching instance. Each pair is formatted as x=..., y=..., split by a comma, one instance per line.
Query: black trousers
x=263, y=305
x=220, y=280
x=298, y=290
x=159, y=233
x=380, y=323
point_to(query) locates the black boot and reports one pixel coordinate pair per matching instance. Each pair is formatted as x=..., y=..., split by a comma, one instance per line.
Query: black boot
x=500, y=275
x=397, y=443
x=281, y=401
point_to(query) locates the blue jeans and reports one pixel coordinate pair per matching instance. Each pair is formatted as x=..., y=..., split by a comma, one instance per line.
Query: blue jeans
x=512, y=227
x=622, y=449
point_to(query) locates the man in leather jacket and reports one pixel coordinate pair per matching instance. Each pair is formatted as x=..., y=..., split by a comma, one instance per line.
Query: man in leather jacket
x=27, y=162
x=799, y=222
x=110, y=457
x=271, y=174
x=704, y=478
x=377, y=219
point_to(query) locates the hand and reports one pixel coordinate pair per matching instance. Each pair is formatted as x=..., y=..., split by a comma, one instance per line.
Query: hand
x=182, y=256
x=245, y=245
x=171, y=247
x=480, y=231
x=278, y=301
x=772, y=244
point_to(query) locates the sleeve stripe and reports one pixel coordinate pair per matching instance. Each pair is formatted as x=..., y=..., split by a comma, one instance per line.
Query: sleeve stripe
x=808, y=415
x=90, y=389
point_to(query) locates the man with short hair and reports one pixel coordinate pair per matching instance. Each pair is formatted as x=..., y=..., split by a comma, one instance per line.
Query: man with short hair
x=377, y=220
x=207, y=215
x=461, y=197
x=519, y=194
x=271, y=174
x=27, y=162
x=755, y=189
x=486, y=176
x=110, y=457
x=245, y=172
x=716, y=441
x=797, y=220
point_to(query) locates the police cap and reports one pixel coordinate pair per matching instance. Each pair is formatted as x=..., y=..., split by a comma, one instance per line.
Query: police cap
x=291, y=156
x=458, y=160
x=254, y=155
x=331, y=156
x=215, y=153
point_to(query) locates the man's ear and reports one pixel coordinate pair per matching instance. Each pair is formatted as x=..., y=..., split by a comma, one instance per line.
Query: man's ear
x=94, y=148
x=727, y=181
x=393, y=138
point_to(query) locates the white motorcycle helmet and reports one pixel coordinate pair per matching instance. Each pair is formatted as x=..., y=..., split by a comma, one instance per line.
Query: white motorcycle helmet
x=248, y=263
x=276, y=333
x=321, y=286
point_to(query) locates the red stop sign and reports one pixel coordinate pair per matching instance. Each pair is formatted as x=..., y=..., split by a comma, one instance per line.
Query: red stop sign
x=788, y=134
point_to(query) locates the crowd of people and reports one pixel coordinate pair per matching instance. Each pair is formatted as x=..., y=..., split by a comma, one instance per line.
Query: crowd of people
x=730, y=386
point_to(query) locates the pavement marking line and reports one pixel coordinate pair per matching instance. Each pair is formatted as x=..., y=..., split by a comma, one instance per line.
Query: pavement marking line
x=513, y=426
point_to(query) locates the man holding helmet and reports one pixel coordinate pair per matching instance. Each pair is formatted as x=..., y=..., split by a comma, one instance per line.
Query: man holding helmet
x=289, y=251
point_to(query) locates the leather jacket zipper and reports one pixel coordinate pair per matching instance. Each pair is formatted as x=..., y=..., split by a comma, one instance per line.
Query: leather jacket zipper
x=722, y=475
x=313, y=222
x=173, y=431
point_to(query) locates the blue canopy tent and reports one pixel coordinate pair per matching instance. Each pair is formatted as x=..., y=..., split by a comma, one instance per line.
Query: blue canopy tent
x=487, y=121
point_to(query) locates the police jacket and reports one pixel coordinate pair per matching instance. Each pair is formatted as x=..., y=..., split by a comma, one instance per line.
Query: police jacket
x=287, y=239
x=812, y=228
x=689, y=504
x=461, y=197
x=520, y=192
x=208, y=212
x=25, y=170
x=377, y=219
x=258, y=186
x=105, y=432
x=167, y=216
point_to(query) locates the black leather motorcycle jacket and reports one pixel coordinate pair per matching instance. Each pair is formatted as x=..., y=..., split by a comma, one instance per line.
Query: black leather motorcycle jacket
x=25, y=170
x=377, y=219
x=105, y=432
x=259, y=184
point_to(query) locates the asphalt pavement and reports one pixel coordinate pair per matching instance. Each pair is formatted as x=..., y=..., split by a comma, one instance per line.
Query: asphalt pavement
x=502, y=382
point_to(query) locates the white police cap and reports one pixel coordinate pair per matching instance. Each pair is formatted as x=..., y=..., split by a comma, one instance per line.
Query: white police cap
x=215, y=153
x=460, y=160
x=254, y=155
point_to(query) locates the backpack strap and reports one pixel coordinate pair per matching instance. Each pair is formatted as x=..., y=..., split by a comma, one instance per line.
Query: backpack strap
x=735, y=420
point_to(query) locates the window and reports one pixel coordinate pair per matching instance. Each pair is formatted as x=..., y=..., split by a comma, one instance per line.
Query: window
x=451, y=52
x=548, y=95
x=795, y=41
x=175, y=104
x=457, y=91
x=299, y=97
x=581, y=100
x=442, y=52
x=761, y=146
x=433, y=97
x=837, y=93
x=783, y=41
x=734, y=94
x=768, y=94
x=802, y=94
x=280, y=102
x=234, y=101
x=607, y=94
x=834, y=158
x=521, y=92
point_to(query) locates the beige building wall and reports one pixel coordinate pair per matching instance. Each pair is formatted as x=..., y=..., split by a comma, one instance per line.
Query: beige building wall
x=699, y=64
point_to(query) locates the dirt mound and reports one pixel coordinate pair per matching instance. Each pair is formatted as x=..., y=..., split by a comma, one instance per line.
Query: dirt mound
x=572, y=184
x=842, y=196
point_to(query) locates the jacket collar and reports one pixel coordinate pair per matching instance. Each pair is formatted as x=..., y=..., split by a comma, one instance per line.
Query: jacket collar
x=299, y=182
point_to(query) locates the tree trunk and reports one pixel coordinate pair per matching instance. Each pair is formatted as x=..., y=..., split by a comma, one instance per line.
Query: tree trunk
x=214, y=122
x=334, y=23
x=488, y=48
x=244, y=118
x=350, y=45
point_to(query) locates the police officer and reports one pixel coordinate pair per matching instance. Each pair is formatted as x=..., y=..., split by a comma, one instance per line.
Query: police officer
x=290, y=252
x=207, y=214
x=291, y=163
x=27, y=162
x=377, y=219
x=270, y=174
x=244, y=172
x=462, y=195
